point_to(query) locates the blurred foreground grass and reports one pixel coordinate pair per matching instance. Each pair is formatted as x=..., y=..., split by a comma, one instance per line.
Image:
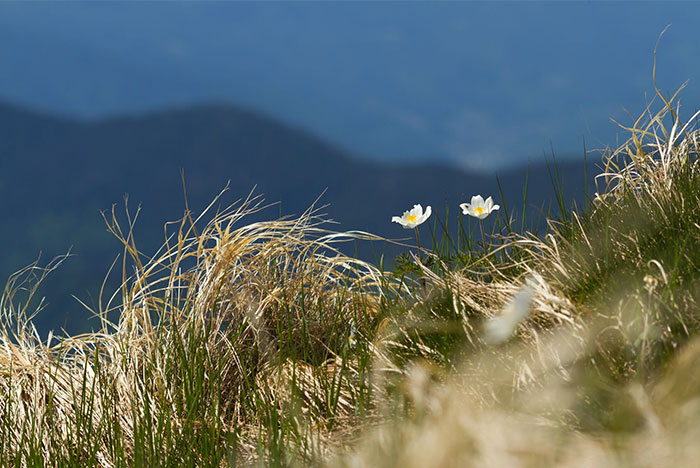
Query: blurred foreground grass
x=263, y=344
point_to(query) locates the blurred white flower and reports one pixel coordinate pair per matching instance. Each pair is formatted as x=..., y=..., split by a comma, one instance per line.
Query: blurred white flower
x=501, y=327
x=478, y=207
x=411, y=219
x=353, y=333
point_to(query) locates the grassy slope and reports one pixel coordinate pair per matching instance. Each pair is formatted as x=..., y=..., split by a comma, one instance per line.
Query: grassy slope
x=246, y=344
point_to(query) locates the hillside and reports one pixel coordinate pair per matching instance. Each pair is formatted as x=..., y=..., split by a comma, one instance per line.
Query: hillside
x=56, y=175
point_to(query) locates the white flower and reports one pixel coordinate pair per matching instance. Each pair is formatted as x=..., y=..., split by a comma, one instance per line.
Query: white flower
x=411, y=219
x=501, y=327
x=478, y=207
x=353, y=333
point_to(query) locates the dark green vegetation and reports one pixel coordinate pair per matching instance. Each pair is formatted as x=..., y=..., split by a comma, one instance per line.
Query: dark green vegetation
x=57, y=174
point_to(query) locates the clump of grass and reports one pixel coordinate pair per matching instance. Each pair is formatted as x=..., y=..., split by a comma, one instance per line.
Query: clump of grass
x=602, y=370
x=225, y=338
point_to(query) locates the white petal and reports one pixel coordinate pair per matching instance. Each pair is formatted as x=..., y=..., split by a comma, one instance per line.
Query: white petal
x=396, y=219
x=428, y=211
x=501, y=327
x=465, y=208
x=477, y=200
x=488, y=203
x=495, y=207
x=417, y=210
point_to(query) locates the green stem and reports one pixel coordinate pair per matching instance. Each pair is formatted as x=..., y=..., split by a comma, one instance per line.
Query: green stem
x=483, y=239
x=420, y=258
x=418, y=242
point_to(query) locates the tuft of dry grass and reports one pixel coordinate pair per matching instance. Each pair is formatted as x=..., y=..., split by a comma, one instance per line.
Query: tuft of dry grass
x=600, y=371
x=201, y=350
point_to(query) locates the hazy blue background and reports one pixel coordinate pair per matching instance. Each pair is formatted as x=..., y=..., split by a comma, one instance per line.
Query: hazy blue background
x=472, y=84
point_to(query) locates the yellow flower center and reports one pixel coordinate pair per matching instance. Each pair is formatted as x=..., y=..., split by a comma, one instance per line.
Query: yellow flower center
x=479, y=210
x=411, y=218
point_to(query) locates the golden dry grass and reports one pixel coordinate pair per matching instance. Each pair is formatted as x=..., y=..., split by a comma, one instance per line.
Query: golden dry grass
x=236, y=299
x=602, y=369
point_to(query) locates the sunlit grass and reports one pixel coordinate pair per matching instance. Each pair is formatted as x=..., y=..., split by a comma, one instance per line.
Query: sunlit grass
x=262, y=343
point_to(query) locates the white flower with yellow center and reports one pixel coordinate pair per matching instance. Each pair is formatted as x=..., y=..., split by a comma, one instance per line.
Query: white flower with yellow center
x=478, y=207
x=501, y=327
x=413, y=218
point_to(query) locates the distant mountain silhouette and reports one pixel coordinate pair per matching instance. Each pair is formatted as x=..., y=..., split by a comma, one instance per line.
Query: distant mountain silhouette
x=57, y=174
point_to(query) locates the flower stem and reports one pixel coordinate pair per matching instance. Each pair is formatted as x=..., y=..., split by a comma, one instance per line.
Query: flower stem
x=420, y=259
x=418, y=242
x=483, y=239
